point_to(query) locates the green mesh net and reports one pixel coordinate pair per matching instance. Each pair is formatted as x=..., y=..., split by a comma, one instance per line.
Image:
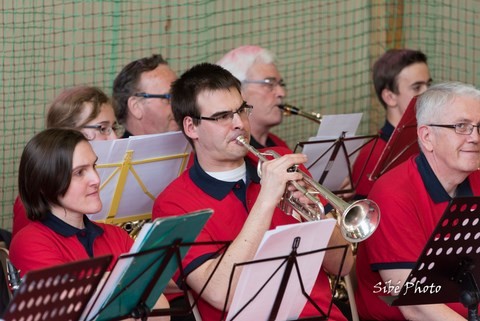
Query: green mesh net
x=325, y=50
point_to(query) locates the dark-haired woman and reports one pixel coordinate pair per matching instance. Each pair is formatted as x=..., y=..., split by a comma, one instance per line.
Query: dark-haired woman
x=58, y=184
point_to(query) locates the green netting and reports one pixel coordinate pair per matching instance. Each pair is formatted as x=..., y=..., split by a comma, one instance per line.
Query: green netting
x=325, y=50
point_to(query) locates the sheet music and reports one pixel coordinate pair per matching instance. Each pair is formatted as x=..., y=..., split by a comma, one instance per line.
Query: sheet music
x=319, y=162
x=276, y=243
x=334, y=125
x=151, y=171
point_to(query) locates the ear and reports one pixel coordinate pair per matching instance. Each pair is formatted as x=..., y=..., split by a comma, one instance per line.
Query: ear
x=425, y=138
x=134, y=107
x=389, y=97
x=190, y=128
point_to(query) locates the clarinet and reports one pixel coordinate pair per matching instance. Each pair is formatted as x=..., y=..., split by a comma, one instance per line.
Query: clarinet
x=13, y=274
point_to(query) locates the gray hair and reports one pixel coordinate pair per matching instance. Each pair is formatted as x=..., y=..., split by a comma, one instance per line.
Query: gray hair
x=239, y=60
x=433, y=101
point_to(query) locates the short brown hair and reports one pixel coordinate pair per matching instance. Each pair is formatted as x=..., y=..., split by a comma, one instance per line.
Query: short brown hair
x=125, y=84
x=198, y=79
x=390, y=65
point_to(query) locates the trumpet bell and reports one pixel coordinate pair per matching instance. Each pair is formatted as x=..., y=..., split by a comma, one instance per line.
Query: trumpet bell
x=360, y=220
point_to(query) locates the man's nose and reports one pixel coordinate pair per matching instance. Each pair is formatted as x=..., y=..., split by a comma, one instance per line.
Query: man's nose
x=237, y=121
x=280, y=91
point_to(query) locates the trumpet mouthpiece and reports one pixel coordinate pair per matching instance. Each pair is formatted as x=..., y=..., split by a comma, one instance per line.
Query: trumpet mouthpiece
x=241, y=139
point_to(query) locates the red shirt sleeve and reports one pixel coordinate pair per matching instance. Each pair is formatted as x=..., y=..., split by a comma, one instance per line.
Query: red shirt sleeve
x=20, y=219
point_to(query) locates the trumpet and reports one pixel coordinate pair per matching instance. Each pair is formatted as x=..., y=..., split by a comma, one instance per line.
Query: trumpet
x=292, y=110
x=357, y=221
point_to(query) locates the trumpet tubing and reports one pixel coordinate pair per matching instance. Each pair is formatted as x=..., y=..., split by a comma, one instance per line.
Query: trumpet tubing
x=288, y=201
x=133, y=227
x=292, y=110
x=13, y=275
x=357, y=221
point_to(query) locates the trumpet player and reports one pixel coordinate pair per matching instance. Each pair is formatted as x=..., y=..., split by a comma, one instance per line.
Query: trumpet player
x=210, y=110
x=262, y=87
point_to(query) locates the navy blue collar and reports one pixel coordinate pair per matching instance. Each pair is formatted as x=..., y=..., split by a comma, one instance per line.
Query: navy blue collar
x=257, y=145
x=386, y=131
x=86, y=236
x=126, y=134
x=433, y=186
x=216, y=188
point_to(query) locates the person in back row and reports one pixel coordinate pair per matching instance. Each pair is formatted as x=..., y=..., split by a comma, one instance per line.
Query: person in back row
x=262, y=87
x=85, y=108
x=398, y=76
x=210, y=110
x=141, y=97
x=413, y=197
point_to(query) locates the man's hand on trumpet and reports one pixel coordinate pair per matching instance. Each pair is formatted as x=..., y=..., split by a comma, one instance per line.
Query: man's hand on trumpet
x=275, y=175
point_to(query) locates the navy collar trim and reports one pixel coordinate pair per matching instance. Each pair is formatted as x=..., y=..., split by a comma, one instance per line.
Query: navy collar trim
x=386, y=131
x=214, y=187
x=257, y=145
x=64, y=229
x=433, y=186
x=126, y=134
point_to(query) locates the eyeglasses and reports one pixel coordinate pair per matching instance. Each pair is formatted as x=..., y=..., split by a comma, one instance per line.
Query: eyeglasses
x=224, y=117
x=106, y=130
x=161, y=96
x=460, y=128
x=270, y=82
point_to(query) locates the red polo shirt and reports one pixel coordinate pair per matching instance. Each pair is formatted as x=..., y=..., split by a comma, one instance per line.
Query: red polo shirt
x=412, y=201
x=20, y=219
x=51, y=242
x=367, y=159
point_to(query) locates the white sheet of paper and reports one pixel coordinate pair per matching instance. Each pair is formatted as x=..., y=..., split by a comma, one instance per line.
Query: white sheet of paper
x=334, y=125
x=154, y=174
x=319, y=154
x=313, y=236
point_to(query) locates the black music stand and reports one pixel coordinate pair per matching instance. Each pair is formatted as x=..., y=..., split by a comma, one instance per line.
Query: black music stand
x=287, y=270
x=336, y=152
x=401, y=145
x=153, y=270
x=139, y=278
x=57, y=293
x=448, y=269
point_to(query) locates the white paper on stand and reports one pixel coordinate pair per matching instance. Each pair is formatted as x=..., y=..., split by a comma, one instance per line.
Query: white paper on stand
x=334, y=125
x=319, y=164
x=313, y=236
x=319, y=155
x=156, y=161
